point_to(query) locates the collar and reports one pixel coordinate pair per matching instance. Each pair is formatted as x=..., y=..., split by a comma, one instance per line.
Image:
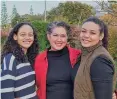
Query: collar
x=86, y=50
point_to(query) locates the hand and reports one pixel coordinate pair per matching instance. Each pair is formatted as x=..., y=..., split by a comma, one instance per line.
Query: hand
x=114, y=96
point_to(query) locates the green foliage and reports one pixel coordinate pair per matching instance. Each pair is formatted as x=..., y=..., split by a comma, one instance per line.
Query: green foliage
x=31, y=18
x=14, y=12
x=111, y=20
x=40, y=27
x=3, y=39
x=15, y=20
x=4, y=16
x=25, y=18
x=113, y=41
x=72, y=12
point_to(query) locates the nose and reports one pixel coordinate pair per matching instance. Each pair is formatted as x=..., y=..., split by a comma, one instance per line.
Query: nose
x=87, y=34
x=59, y=38
x=27, y=37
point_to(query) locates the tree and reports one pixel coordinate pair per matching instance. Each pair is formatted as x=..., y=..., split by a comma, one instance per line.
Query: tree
x=16, y=19
x=113, y=41
x=4, y=15
x=73, y=38
x=30, y=18
x=108, y=6
x=111, y=21
x=74, y=12
x=31, y=10
x=14, y=12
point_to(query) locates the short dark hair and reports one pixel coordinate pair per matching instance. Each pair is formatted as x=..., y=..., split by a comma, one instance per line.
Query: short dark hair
x=55, y=24
x=103, y=29
x=11, y=46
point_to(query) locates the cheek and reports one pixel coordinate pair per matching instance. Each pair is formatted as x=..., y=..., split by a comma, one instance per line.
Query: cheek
x=33, y=39
x=96, y=39
x=65, y=40
x=81, y=35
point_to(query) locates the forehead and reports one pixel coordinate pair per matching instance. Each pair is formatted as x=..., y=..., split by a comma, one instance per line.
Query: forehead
x=59, y=30
x=25, y=28
x=90, y=26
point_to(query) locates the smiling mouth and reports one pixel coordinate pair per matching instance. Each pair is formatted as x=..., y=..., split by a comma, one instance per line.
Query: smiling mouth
x=58, y=44
x=27, y=42
x=86, y=41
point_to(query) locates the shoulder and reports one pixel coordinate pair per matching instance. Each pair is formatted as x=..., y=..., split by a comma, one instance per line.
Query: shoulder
x=102, y=67
x=102, y=60
x=74, y=50
x=8, y=62
x=9, y=56
x=42, y=55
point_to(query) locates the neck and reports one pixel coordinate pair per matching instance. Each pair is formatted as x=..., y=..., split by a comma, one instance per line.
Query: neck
x=86, y=50
x=24, y=50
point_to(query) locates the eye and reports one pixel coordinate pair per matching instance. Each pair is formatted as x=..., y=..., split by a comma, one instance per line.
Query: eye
x=22, y=34
x=55, y=35
x=63, y=36
x=93, y=33
x=31, y=35
x=83, y=31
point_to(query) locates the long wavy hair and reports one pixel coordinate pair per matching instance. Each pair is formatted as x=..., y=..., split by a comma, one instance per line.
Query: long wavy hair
x=11, y=46
x=103, y=29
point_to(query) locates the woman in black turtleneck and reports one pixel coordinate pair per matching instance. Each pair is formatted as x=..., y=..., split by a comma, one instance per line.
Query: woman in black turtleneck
x=59, y=83
x=53, y=67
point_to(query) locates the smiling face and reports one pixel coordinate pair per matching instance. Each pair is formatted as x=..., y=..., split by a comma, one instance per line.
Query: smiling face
x=90, y=34
x=58, y=38
x=24, y=37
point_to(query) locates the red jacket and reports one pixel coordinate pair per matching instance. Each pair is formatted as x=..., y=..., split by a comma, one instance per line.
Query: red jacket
x=41, y=66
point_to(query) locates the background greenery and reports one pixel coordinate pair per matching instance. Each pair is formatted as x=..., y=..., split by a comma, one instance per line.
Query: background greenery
x=73, y=13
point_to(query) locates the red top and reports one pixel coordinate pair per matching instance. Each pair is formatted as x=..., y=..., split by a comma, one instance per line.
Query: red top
x=41, y=66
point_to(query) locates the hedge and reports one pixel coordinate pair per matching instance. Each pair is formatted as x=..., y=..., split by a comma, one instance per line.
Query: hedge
x=40, y=27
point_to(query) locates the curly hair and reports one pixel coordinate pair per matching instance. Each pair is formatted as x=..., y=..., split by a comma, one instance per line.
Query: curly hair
x=103, y=29
x=11, y=46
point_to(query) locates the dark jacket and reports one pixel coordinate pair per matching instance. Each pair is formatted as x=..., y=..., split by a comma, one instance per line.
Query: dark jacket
x=83, y=88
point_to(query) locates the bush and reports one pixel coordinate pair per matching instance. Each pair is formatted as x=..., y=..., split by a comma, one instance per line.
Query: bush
x=113, y=42
x=3, y=39
x=40, y=27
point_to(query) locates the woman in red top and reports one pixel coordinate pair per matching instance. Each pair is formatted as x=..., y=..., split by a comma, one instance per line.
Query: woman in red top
x=53, y=67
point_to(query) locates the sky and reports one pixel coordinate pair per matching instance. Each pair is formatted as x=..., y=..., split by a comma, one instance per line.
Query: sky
x=23, y=6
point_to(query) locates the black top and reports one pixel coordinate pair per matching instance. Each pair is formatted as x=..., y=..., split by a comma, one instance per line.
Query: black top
x=59, y=83
x=101, y=72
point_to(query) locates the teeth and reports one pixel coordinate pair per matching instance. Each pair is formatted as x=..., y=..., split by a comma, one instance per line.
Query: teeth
x=26, y=42
x=59, y=44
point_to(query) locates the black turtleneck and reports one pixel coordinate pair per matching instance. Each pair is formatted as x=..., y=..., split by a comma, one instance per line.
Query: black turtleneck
x=59, y=83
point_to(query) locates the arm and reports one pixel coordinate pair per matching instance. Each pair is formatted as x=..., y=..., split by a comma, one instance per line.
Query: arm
x=102, y=78
x=37, y=76
x=7, y=78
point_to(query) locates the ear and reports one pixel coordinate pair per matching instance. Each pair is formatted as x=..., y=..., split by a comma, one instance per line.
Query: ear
x=15, y=37
x=101, y=36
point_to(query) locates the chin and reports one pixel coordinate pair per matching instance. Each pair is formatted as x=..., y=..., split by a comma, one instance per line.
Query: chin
x=59, y=48
x=26, y=47
x=86, y=45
